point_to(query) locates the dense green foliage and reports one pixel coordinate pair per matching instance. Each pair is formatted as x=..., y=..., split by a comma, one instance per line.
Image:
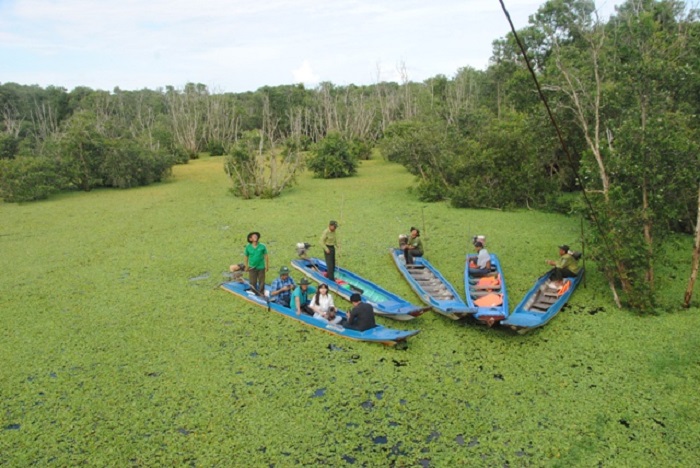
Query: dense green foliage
x=119, y=349
x=333, y=158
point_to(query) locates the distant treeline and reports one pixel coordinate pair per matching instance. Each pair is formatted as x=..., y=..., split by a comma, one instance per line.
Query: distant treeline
x=623, y=92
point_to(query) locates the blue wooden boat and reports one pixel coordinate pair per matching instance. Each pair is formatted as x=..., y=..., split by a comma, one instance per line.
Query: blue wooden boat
x=541, y=303
x=487, y=295
x=431, y=286
x=378, y=334
x=384, y=303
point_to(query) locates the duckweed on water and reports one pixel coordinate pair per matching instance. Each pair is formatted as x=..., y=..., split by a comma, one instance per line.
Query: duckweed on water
x=118, y=349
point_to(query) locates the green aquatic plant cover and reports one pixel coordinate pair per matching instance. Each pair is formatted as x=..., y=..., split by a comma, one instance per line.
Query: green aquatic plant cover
x=118, y=349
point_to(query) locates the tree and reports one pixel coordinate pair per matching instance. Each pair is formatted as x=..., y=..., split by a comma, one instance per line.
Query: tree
x=332, y=158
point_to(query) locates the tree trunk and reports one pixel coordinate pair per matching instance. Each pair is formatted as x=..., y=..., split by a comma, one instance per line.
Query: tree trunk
x=696, y=259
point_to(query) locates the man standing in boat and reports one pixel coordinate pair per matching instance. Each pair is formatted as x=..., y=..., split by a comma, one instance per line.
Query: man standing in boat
x=329, y=241
x=257, y=262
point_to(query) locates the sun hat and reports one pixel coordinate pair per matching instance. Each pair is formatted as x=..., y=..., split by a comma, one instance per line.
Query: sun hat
x=304, y=281
x=284, y=270
x=564, y=247
x=251, y=235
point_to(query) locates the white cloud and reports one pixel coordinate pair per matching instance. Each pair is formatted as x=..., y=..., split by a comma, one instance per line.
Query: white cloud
x=304, y=74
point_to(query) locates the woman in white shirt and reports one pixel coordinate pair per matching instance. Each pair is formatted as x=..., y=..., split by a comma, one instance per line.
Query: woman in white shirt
x=323, y=306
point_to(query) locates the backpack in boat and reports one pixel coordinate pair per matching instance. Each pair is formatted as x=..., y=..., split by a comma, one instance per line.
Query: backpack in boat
x=577, y=255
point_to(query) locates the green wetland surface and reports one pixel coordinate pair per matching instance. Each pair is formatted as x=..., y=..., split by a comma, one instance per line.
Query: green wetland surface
x=118, y=348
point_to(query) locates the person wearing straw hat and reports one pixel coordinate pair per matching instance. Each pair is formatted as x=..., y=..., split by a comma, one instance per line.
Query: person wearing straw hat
x=300, y=297
x=282, y=287
x=257, y=262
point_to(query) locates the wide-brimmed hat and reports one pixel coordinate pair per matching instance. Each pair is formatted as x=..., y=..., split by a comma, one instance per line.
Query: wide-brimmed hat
x=284, y=270
x=304, y=281
x=354, y=297
x=251, y=234
x=564, y=247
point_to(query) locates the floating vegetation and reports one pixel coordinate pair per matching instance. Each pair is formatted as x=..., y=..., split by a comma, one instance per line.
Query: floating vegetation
x=119, y=361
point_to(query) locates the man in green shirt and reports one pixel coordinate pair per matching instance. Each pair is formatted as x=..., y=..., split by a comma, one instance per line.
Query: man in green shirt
x=565, y=267
x=329, y=242
x=257, y=262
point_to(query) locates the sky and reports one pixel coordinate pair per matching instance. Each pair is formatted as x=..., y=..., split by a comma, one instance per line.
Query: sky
x=242, y=45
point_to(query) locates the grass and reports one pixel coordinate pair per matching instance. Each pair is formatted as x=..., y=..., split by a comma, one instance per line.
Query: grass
x=118, y=349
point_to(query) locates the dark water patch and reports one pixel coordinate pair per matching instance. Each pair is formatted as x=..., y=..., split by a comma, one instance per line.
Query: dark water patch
x=348, y=459
x=393, y=424
x=460, y=440
x=424, y=462
x=379, y=439
x=351, y=424
x=398, y=363
x=660, y=423
x=473, y=442
x=184, y=431
x=250, y=384
x=53, y=375
x=262, y=449
x=625, y=423
x=254, y=354
x=152, y=374
x=498, y=377
x=319, y=393
x=368, y=405
x=379, y=395
x=396, y=449
x=402, y=401
x=355, y=357
x=31, y=378
x=520, y=453
x=332, y=347
x=201, y=276
x=435, y=435
x=596, y=310
x=12, y=427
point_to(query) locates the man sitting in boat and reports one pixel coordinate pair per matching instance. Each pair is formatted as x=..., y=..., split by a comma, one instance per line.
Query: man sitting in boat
x=361, y=316
x=412, y=246
x=565, y=267
x=322, y=305
x=282, y=287
x=300, y=297
x=482, y=266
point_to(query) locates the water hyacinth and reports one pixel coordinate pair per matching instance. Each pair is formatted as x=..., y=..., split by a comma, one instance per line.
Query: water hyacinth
x=118, y=348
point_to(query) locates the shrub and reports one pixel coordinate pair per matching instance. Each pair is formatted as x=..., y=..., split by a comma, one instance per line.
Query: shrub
x=28, y=178
x=332, y=158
